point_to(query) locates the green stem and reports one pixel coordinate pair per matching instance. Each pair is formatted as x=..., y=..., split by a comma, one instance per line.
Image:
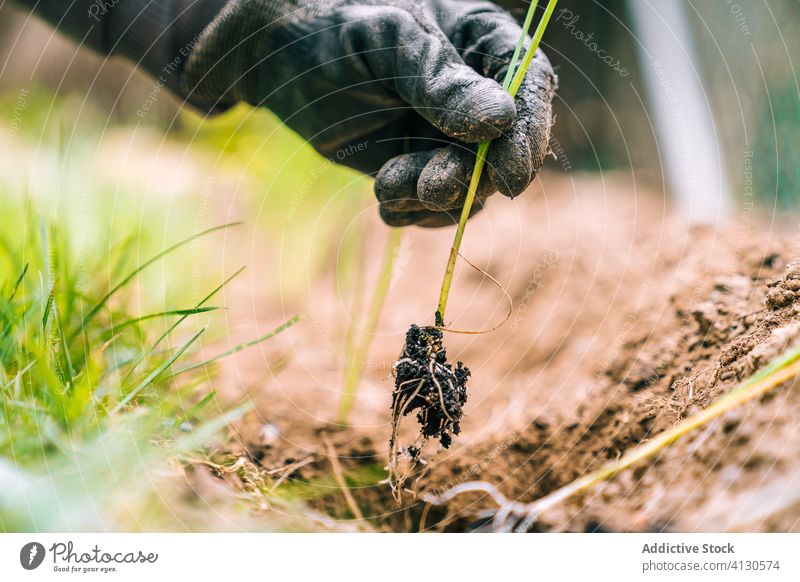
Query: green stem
x=355, y=367
x=778, y=373
x=356, y=274
x=512, y=65
x=513, y=81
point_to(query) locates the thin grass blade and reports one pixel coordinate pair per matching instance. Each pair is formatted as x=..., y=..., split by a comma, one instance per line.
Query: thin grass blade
x=239, y=348
x=48, y=306
x=156, y=373
x=196, y=408
x=197, y=306
x=100, y=304
x=138, y=359
x=17, y=285
x=182, y=312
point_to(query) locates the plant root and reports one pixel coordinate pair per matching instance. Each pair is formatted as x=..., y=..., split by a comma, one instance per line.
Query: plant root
x=427, y=384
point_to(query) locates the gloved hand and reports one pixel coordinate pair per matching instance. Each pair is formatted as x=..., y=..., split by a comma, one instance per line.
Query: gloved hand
x=401, y=88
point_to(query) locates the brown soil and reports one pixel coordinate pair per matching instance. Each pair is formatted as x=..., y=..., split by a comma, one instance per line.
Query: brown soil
x=625, y=321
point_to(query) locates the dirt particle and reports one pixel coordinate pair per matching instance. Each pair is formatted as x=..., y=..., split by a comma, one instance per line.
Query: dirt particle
x=792, y=285
x=771, y=261
x=705, y=314
x=793, y=270
x=777, y=298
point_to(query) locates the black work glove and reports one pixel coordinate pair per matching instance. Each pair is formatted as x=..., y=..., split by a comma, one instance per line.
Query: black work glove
x=401, y=88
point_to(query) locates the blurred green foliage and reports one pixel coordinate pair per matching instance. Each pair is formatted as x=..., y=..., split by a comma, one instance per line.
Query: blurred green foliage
x=748, y=59
x=302, y=203
x=94, y=312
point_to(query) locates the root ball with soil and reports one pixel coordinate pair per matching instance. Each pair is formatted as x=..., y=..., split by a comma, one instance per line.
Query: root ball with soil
x=426, y=383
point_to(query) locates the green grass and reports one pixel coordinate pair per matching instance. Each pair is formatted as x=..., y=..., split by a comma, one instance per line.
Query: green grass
x=357, y=350
x=89, y=411
x=106, y=405
x=101, y=304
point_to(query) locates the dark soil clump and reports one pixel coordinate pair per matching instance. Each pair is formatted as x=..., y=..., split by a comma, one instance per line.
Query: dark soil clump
x=426, y=383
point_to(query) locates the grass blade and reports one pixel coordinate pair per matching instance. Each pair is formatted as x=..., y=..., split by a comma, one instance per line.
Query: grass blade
x=526, y=26
x=519, y=76
x=239, y=348
x=199, y=304
x=182, y=312
x=196, y=408
x=48, y=306
x=359, y=355
x=65, y=348
x=100, y=304
x=18, y=283
x=136, y=361
x=156, y=373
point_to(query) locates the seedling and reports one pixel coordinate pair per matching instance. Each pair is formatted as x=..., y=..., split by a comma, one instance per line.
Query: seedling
x=424, y=381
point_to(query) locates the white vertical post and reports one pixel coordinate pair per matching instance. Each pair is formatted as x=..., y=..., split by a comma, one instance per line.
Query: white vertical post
x=681, y=110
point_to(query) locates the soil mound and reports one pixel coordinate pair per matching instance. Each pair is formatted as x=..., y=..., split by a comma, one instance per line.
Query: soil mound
x=625, y=322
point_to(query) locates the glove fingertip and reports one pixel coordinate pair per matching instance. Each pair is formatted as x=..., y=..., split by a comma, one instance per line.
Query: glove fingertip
x=397, y=179
x=389, y=179
x=482, y=112
x=393, y=218
x=442, y=183
x=511, y=167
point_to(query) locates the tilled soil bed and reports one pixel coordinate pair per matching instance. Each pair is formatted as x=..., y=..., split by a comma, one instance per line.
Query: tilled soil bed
x=625, y=321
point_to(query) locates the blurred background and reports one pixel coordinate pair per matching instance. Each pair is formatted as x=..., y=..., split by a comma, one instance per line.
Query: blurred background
x=742, y=53
x=78, y=147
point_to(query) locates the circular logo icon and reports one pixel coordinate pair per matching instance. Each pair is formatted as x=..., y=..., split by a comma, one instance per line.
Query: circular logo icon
x=31, y=555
